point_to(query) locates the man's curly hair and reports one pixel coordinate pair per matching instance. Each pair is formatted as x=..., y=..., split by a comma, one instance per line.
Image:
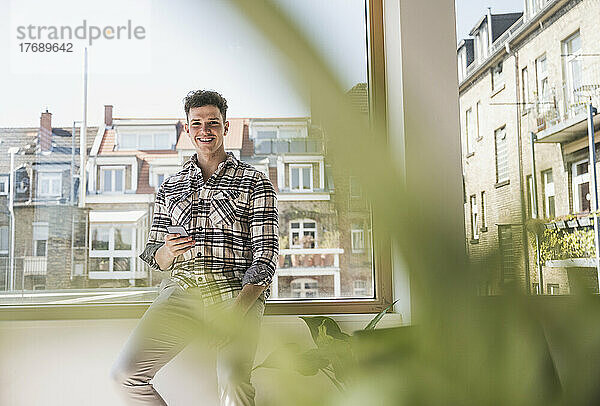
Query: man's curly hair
x=199, y=98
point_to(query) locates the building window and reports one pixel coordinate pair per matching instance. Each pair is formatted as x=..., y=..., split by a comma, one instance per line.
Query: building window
x=469, y=130
x=355, y=188
x=303, y=234
x=478, y=119
x=4, y=184
x=543, y=87
x=3, y=239
x=483, y=212
x=501, y=155
x=581, y=187
x=49, y=184
x=40, y=239
x=507, y=253
x=146, y=138
x=497, y=77
x=530, y=197
x=359, y=287
x=553, y=289
x=112, y=248
x=525, y=88
x=305, y=287
x=571, y=48
x=301, y=178
x=549, y=210
x=474, y=217
x=358, y=239
x=112, y=179
x=536, y=288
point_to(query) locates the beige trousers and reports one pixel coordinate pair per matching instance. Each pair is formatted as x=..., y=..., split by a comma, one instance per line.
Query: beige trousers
x=171, y=322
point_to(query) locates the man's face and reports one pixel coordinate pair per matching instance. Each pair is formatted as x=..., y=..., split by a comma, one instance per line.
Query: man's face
x=206, y=129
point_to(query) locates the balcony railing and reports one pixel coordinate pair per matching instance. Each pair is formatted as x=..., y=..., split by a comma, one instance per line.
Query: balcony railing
x=286, y=146
x=305, y=258
x=35, y=266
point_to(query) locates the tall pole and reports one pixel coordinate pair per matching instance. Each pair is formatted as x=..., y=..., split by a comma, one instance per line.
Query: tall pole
x=11, y=208
x=591, y=142
x=82, y=136
x=534, y=214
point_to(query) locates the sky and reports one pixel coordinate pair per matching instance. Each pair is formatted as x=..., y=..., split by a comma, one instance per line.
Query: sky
x=468, y=12
x=186, y=44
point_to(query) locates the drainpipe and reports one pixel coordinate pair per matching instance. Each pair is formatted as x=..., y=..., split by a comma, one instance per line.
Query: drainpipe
x=533, y=138
x=521, y=190
x=592, y=149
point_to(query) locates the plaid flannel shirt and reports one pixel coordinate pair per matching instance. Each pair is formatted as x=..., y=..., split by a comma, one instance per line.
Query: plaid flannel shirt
x=232, y=218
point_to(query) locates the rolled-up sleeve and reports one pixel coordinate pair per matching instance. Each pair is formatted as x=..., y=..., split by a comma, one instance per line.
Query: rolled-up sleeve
x=158, y=230
x=264, y=233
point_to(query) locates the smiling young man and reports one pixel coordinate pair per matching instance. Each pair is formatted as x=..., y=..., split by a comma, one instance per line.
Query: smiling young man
x=226, y=263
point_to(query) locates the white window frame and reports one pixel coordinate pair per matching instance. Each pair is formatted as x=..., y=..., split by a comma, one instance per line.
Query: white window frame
x=568, y=66
x=483, y=211
x=111, y=252
x=498, y=132
x=49, y=176
x=474, y=217
x=4, y=179
x=469, y=130
x=548, y=192
x=145, y=132
x=44, y=230
x=525, y=87
x=4, y=237
x=301, y=230
x=301, y=168
x=303, y=289
x=553, y=289
x=114, y=169
x=358, y=231
x=579, y=180
x=542, y=83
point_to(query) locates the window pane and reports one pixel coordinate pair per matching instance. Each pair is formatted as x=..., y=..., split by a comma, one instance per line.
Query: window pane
x=108, y=180
x=40, y=248
x=306, y=178
x=118, y=180
x=121, y=264
x=123, y=238
x=99, y=264
x=295, y=178
x=100, y=238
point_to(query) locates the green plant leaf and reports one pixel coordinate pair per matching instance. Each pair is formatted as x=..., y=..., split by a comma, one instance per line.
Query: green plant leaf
x=310, y=362
x=328, y=326
x=376, y=319
x=289, y=357
x=281, y=358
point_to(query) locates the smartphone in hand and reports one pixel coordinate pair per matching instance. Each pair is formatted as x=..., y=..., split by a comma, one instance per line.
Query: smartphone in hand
x=177, y=230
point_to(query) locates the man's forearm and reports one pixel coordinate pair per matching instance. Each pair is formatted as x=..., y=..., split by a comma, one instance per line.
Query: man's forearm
x=247, y=297
x=163, y=258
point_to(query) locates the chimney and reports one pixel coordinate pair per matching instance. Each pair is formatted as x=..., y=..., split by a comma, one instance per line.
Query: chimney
x=45, y=135
x=108, y=118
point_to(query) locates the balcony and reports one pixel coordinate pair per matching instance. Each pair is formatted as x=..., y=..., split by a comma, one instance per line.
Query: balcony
x=562, y=116
x=288, y=146
x=35, y=266
x=298, y=262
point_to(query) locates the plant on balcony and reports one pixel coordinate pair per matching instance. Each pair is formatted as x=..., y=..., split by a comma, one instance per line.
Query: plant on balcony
x=334, y=355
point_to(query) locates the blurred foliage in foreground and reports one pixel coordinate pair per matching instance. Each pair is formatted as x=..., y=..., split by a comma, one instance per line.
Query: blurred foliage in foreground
x=509, y=350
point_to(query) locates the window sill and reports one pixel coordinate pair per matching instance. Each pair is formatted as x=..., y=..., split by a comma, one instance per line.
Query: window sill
x=496, y=91
x=503, y=183
x=470, y=154
x=474, y=241
x=134, y=310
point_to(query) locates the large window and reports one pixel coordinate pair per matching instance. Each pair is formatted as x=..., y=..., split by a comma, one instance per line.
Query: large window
x=301, y=177
x=112, y=179
x=49, y=184
x=549, y=196
x=581, y=186
x=501, y=155
x=572, y=72
x=303, y=234
x=112, y=250
x=543, y=85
